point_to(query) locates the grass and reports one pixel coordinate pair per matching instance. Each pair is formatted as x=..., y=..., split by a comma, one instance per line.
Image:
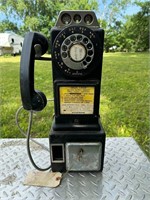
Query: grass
x=124, y=106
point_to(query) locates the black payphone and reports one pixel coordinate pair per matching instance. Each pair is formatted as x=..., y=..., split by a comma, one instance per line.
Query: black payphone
x=77, y=138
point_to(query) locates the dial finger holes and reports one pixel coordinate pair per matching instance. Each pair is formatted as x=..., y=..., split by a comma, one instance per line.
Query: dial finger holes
x=90, y=53
x=84, y=63
x=67, y=41
x=64, y=54
x=79, y=37
x=73, y=38
x=85, y=40
x=88, y=59
x=89, y=46
x=64, y=47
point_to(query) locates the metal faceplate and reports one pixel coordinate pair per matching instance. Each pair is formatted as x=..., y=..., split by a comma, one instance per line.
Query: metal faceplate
x=67, y=18
x=83, y=156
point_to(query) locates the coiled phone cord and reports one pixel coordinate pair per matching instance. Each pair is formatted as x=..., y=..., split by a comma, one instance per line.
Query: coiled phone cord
x=28, y=136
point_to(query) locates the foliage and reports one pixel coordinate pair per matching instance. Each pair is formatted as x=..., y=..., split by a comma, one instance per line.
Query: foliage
x=113, y=35
x=113, y=9
x=136, y=29
x=124, y=106
x=6, y=25
x=131, y=35
x=41, y=15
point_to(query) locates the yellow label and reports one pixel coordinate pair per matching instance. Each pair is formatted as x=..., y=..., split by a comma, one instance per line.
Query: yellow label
x=76, y=99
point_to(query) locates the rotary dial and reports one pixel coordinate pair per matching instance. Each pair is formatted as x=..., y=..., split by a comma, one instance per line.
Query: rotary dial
x=74, y=51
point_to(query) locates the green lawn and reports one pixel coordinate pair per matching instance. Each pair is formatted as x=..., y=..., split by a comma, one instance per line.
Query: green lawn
x=124, y=104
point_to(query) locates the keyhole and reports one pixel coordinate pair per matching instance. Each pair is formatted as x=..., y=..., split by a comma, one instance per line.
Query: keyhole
x=80, y=154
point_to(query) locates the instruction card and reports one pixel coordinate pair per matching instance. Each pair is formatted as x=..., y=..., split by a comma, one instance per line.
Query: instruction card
x=76, y=100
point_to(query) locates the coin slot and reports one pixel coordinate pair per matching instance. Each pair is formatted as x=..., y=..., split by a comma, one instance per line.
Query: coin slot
x=88, y=19
x=57, y=153
x=66, y=19
x=77, y=18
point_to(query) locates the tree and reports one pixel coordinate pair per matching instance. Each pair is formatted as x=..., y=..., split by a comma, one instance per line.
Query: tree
x=113, y=9
x=113, y=36
x=6, y=25
x=130, y=35
x=136, y=29
x=40, y=15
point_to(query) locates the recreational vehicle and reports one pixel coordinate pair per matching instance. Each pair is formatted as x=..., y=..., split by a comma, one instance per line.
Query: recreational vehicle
x=10, y=43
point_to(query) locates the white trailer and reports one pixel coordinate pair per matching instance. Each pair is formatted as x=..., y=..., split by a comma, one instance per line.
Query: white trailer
x=10, y=43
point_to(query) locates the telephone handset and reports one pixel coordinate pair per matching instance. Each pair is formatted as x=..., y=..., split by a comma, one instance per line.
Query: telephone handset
x=34, y=45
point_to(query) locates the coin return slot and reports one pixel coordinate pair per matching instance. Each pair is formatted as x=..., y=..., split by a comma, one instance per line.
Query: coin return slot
x=57, y=151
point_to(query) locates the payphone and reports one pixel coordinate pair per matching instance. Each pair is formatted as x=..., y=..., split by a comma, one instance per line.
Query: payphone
x=77, y=138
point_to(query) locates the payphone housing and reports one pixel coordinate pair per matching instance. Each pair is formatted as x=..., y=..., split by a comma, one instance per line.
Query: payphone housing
x=77, y=138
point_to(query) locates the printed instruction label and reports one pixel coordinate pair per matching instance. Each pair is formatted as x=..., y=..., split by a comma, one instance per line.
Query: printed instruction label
x=76, y=100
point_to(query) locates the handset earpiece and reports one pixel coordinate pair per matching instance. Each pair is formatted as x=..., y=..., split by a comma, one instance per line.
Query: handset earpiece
x=35, y=45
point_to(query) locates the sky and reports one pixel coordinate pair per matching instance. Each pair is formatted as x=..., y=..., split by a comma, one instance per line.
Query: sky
x=130, y=9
